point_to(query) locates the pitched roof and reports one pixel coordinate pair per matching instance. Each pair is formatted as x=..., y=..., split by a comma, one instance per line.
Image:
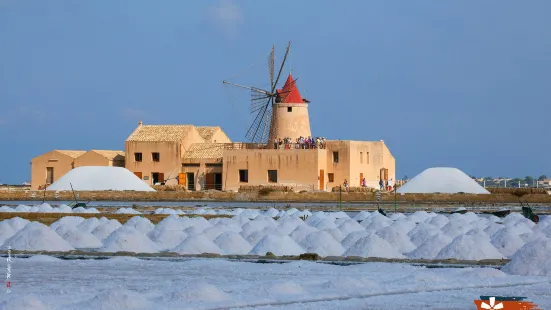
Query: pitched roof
x=289, y=93
x=70, y=153
x=154, y=133
x=205, y=150
x=206, y=132
x=111, y=155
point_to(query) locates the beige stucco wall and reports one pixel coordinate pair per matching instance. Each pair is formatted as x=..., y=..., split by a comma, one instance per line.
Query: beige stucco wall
x=220, y=137
x=379, y=157
x=91, y=158
x=169, y=163
x=60, y=162
x=296, y=168
x=340, y=170
x=170, y=156
x=200, y=172
x=292, y=124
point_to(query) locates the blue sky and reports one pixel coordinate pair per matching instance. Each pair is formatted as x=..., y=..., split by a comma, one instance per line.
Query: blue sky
x=445, y=83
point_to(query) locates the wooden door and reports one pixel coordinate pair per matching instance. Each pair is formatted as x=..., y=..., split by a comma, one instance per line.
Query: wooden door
x=322, y=180
x=361, y=178
x=209, y=184
x=138, y=174
x=182, y=179
x=384, y=174
x=49, y=175
x=161, y=177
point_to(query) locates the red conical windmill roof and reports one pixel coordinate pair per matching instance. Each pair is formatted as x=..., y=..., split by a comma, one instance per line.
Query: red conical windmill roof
x=289, y=93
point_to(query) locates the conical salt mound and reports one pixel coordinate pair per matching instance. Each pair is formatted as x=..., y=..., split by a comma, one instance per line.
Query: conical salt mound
x=92, y=178
x=442, y=180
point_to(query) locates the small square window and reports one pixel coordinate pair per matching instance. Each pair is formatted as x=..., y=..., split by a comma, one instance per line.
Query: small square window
x=331, y=177
x=156, y=156
x=289, y=109
x=335, y=157
x=137, y=156
x=272, y=176
x=243, y=176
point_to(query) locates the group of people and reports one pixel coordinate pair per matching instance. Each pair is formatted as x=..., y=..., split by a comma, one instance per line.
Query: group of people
x=383, y=184
x=300, y=143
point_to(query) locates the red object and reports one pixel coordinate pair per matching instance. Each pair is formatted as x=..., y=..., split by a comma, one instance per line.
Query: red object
x=507, y=305
x=8, y=284
x=289, y=93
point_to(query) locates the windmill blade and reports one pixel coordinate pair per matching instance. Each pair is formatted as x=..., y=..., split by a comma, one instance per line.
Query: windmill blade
x=255, y=131
x=267, y=125
x=281, y=68
x=271, y=61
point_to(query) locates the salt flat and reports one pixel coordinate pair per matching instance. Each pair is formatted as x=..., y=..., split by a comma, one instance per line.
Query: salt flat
x=43, y=282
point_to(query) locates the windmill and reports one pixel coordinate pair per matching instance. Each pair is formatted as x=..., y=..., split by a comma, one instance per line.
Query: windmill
x=263, y=101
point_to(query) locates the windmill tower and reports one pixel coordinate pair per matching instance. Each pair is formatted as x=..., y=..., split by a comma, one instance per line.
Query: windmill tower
x=280, y=112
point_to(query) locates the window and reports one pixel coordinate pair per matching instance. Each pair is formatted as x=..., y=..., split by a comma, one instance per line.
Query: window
x=331, y=177
x=137, y=156
x=156, y=156
x=335, y=157
x=191, y=165
x=289, y=109
x=272, y=176
x=243, y=175
x=367, y=158
x=361, y=157
x=49, y=175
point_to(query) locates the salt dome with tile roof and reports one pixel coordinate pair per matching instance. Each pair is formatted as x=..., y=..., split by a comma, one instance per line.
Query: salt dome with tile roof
x=104, y=178
x=442, y=180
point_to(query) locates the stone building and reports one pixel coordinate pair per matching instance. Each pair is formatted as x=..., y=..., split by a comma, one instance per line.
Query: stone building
x=204, y=157
x=49, y=167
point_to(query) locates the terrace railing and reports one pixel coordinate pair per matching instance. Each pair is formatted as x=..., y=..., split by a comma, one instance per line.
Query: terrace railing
x=269, y=146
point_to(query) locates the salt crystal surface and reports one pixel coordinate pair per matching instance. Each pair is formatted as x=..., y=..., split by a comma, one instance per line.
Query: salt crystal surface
x=36, y=236
x=352, y=237
x=322, y=242
x=373, y=246
x=396, y=238
x=104, y=229
x=142, y=224
x=430, y=248
x=362, y=215
x=81, y=239
x=277, y=244
x=128, y=238
x=115, y=300
x=232, y=243
x=350, y=226
x=531, y=260
x=422, y=233
x=166, y=238
x=6, y=231
x=197, y=244
x=507, y=241
x=23, y=303
x=467, y=247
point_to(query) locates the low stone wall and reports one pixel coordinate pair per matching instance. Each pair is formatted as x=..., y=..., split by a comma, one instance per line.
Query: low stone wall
x=518, y=191
x=271, y=196
x=266, y=258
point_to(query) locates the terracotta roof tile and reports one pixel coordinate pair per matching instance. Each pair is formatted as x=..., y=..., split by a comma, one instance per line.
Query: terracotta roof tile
x=163, y=133
x=70, y=153
x=205, y=150
x=206, y=132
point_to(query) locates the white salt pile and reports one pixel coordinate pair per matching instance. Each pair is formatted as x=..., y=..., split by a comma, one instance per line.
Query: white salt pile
x=36, y=236
x=104, y=229
x=277, y=244
x=81, y=239
x=470, y=247
x=431, y=247
x=166, y=237
x=232, y=242
x=197, y=244
x=442, y=180
x=323, y=243
x=6, y=231
x=507, y=241
x=373, y=246
x=92, y=178
x=142, y=224
x=129, y=239
x=531, y=260
x=127, y=211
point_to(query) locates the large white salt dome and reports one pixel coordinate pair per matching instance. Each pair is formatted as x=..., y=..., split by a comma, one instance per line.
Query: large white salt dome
x=92, y=178
x=442, y=180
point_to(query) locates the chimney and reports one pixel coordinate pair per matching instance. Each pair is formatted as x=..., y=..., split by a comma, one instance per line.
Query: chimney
x=140, y=123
